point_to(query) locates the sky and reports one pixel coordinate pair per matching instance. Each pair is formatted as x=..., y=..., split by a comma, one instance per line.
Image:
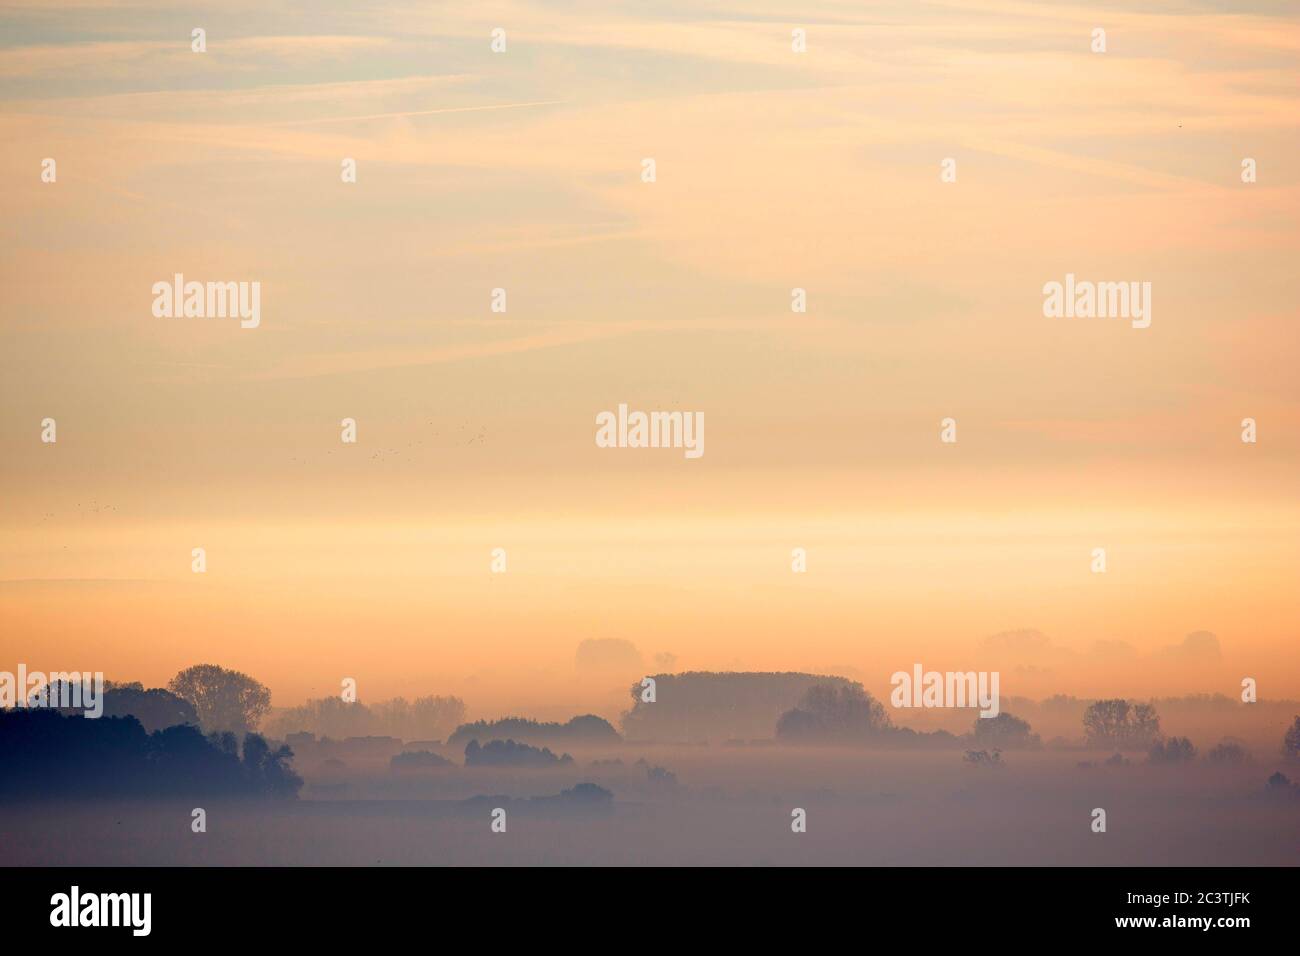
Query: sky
x=775, y=170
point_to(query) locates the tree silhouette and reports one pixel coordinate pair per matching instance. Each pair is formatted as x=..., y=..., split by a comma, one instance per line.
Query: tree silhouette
x=587, y=729
x=155, y=708
x=834, y=712
x=1005, y=731
x=45, y=754
x=982, y=758
x=418, y=760
x=420, y=719
x=508, y=753
x=703, y=705
x=1173, y=750
x=223, y=699
x=1291, y=742
x=1120, y=724
x=1228, y=752
x=268, y=770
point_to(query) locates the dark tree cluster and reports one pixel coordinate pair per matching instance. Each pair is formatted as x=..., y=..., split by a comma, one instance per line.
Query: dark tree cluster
x=698, y=706
x=424, y=718
x=587, y=729
x=155, y=708
x=46, y=754
x=834, y=713
x=418, y=760
x=508, y=753
x=1005, y=732
x=1173, y=750
x=1118, y=724
x=1291, y=740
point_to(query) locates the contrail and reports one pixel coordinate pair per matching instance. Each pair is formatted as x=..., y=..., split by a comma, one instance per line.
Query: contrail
x=450, y=109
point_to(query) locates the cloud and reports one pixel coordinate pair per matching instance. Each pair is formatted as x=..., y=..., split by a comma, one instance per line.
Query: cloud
x=109, y=60
x=1026, y=643
x=1030, y=649
x=1032, y=670
x=608, y=654
x=1197, y=647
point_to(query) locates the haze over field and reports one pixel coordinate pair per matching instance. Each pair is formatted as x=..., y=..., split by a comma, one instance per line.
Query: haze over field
x=775, y=170
x=830, y=777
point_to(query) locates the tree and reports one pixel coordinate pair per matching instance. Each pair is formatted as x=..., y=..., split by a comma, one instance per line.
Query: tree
x=1005, y=731
x=223, y=699
x=47, y=755
x=796, y=724
x=1116, y=723
x=1173, y=750
x=421, y=719
x=507, y=753
x=1291, y=742
x=1228, y=752
x=982, y=758
x=224, y=741
x=834, y=712
x=587, y=729
x=268, y=770
x=156, y=709
x=696, y=706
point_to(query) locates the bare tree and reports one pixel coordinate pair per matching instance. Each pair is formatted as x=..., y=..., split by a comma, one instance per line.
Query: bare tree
x=223, y=699
x=1120, y=724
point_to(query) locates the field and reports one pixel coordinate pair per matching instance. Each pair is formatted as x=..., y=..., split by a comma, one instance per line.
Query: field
x=726, y=806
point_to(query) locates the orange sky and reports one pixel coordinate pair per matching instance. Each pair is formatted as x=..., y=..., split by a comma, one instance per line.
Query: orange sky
x=775, y=170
